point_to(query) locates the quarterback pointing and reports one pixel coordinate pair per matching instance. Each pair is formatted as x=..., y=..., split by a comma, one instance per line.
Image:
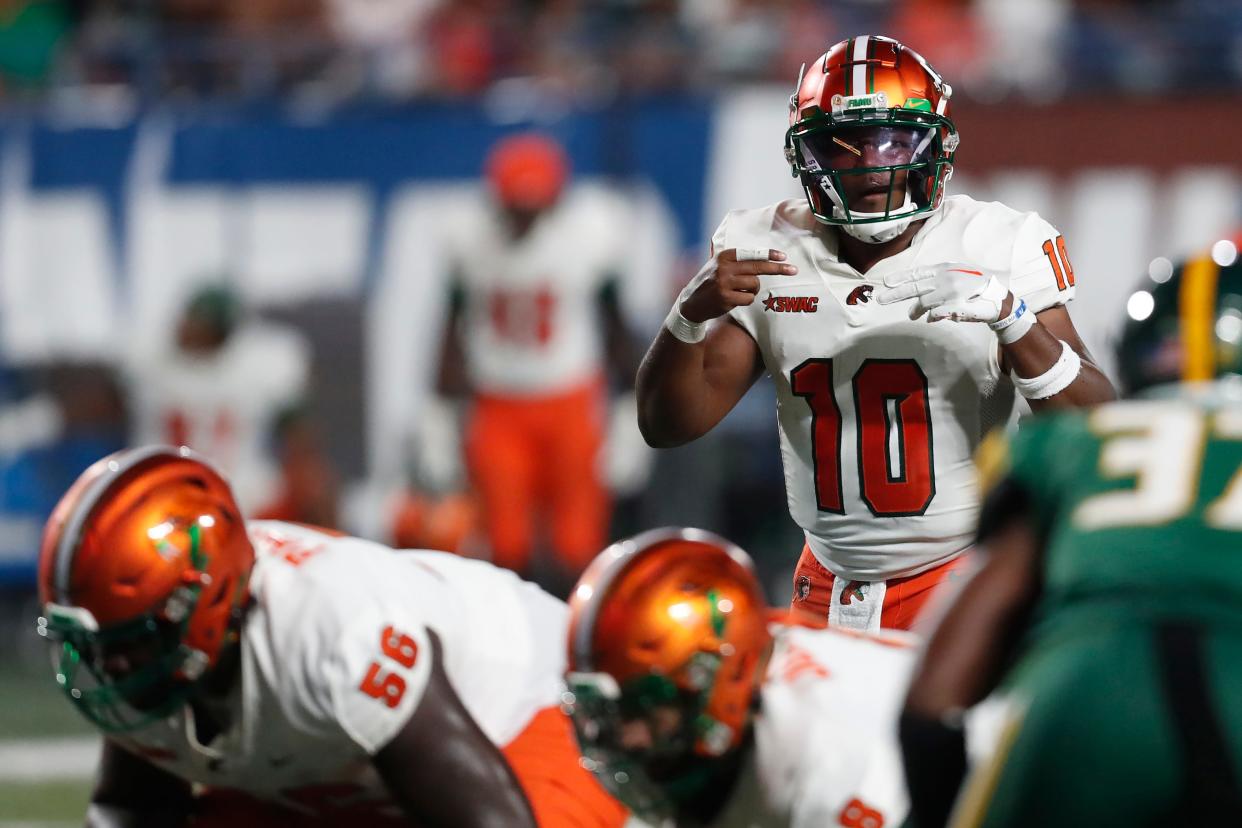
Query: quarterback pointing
x=265, y=673
x=879, y=411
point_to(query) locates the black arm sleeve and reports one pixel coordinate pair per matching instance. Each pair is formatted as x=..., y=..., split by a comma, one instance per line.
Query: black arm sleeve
x=1009, y=501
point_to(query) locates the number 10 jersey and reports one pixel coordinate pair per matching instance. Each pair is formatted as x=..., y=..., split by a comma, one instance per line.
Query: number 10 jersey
x=879, y=415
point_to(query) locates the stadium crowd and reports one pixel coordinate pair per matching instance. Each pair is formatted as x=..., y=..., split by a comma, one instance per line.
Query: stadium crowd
x=330, y=51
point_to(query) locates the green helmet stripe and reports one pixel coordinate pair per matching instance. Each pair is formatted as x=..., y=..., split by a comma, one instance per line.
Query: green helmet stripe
x=849, y=75
x=717, y=617
x=870, y=66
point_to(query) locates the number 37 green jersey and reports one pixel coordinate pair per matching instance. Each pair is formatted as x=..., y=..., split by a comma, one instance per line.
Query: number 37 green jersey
x=1139, y=503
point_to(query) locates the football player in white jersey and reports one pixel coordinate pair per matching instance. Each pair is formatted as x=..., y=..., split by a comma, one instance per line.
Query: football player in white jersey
x=697, y=709
x=234, y=387
x=301, y=678
x=535, y=332
x=879, y=411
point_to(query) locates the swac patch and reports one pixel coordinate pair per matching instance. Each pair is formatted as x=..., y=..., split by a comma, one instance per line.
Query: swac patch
x=860, y=295
x=791, y=304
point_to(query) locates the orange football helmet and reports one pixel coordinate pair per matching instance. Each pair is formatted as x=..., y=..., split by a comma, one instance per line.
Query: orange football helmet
x=527, y=171
x=143, y=576
x=672, y=619
x=872, y=111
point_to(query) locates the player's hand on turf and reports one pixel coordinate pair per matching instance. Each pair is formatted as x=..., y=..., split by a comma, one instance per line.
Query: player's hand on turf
x=950, y=290
x=730, y=280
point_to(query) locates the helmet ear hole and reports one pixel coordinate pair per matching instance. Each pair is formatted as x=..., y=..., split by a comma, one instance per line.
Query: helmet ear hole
x=220, y=592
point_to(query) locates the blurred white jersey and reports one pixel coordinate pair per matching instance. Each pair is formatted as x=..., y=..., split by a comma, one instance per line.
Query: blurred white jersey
x=880, y=416
x=225, y=405
x=531, y=321
x=336, y=654
x=825, y=737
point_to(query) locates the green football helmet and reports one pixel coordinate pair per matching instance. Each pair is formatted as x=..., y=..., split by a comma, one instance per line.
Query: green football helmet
x=1187, y=325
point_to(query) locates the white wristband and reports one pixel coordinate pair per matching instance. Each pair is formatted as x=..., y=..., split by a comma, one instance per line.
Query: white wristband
x=1053, y=381
x=1016, y=325
x=682, y=329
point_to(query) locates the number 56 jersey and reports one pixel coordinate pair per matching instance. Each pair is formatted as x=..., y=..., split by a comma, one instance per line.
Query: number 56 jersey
x=336, y=653
x=879, y=415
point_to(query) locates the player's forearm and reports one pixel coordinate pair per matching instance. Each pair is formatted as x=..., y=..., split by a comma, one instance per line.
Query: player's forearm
x=963, y=662
x=451, y=378
x=671, y=389
x=1037, y=352
x=968, y=652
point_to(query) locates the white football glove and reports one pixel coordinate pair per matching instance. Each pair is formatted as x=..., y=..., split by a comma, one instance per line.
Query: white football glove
x=950, y=290
x=625, y=459
x=439, y=463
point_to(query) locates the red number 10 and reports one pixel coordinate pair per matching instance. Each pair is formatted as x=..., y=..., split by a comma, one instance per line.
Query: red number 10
x=1062, y=271
x=877, y=383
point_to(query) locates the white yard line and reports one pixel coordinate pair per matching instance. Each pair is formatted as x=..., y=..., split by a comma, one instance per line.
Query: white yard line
x=45, y=760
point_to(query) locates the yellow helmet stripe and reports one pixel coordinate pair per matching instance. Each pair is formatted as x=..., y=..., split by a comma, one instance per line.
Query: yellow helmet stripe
x=1196, y=304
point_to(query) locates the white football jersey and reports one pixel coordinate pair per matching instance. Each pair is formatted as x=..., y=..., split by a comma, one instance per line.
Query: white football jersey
x=335, y=658
x=825, y=736
x=531, y=320
x=225, y=405
x=880, y=416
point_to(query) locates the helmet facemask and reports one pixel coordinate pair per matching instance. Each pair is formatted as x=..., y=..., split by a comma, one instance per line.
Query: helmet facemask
x=895, y=158
x=162, y=672
x=668, y=642
x=668, y=767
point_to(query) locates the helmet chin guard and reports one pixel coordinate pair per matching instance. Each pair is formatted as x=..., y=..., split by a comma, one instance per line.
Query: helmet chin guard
x=884, y=226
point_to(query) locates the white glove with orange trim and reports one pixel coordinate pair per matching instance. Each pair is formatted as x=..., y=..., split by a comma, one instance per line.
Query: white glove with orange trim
x=950, y=290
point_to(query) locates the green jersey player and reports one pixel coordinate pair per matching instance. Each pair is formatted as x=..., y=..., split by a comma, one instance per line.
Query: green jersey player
x=1108, y=608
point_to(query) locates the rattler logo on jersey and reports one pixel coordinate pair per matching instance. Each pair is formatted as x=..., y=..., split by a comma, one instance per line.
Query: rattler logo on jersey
x=860, y=295
x=854, y=589
x=791, y=304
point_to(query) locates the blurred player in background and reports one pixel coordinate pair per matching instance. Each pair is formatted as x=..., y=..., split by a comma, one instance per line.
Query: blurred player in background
x=233, y=388
x=304, y=678
x=534, y=333
x=1112, y=577
x=694, y=711
x=879, y=411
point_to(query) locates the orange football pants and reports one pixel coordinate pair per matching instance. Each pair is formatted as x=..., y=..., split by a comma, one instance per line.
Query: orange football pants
x=533, y=462
x=544, y=757
x=904, y=598
x=563, y=794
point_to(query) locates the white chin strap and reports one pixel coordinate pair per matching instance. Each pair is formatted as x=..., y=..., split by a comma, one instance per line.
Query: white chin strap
x=873, y=232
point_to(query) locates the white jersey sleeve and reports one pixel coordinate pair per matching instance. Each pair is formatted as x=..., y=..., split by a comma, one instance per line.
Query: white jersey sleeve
x=350, y=655
x=1041, y=272
x=825, y=737
x=377, y=672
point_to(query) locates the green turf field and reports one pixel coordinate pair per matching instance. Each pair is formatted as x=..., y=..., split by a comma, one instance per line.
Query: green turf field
x=43, y=803
x=31, y=705
x=33, y=709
